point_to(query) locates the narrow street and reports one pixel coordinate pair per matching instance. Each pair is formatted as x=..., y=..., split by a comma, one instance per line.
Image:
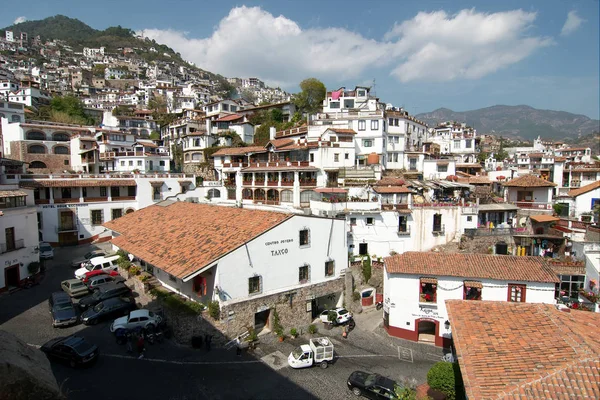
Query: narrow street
x=198, y=373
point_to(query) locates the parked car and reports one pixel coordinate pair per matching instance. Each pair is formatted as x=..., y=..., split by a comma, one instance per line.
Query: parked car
x=105, y=264
x=46, y=251
x=109, y=308
x=102, y=280
x=88, y=256
x=144, y=319
x=342, y=316
x=74, y=287
x=91, y=274
x=107, y=292
x=372, y=386
x=62, y=310
x=73, y=350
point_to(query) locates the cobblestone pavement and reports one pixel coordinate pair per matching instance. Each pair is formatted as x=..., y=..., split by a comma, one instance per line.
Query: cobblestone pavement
x=171, y=371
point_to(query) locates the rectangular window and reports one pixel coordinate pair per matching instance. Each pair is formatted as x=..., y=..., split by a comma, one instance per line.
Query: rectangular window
x=516, y=292
x=468, y=143
x=116, y=213
x=348, y=103
x=156, y=192
x=362, y=125
x=370, y=220
x=225, y=107
x=329, y=268
x=361, y=93
x=428, y=290
x=395, y=155
x=97, y=217
x=139, y=163
x=131, y=163
x=374, y=125
x=312, y=157
x=437, y=222
x=304, y=237
x=102, y=191
x=442, y=168
x=122, y=163
x=346, y=156
x=403, y=224
x=303, y=274
x=161, y=163
x=254, y=285
x=367, y=143
x=570, y=285
x=131, y=191
x=472, y=290
x=353, y=221
x=457, y=144
x=336, y=157
x=114, y=191
x=334, y=104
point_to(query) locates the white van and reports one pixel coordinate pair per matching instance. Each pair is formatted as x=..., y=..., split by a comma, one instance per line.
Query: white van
x=106, y=264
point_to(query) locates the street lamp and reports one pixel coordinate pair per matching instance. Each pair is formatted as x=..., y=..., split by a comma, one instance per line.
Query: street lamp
x=447, y=324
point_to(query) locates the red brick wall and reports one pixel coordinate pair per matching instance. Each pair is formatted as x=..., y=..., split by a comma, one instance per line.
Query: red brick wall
x=54, y=162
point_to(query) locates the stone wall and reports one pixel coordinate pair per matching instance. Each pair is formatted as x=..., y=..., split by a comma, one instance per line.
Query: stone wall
x=54, y=162
x=206, y=171
x=236, y=318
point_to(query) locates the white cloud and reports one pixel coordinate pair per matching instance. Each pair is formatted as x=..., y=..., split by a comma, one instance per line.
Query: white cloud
x=431, y=46
x=572, y=23
x=19, y=20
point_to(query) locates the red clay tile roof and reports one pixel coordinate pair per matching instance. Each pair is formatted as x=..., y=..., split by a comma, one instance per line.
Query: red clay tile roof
x=390, y=181
x=559, y=159
x=76, y=182
x=183, y=237
x=277, y=143
x=529, y=181
x=481, y=266
x=392, y=189
x=343, y=131
x=544, y=218
x=239, y=151
x=525, y=351
x=232, y=117
x=584, y=189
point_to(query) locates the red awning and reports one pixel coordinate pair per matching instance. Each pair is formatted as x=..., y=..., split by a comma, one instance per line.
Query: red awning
x=331, y=190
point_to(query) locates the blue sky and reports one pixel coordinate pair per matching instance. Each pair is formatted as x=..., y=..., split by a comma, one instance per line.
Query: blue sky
x=422, y=54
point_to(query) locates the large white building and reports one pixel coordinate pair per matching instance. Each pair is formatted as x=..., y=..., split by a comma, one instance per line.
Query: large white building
x=252, y=262
x=417, y=285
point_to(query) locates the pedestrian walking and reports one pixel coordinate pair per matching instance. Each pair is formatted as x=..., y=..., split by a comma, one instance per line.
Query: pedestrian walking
x=140, y=346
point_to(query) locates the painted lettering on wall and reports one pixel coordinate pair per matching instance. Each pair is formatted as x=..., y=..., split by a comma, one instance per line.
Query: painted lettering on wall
x=65, y=205
x=279, y=252
x=274, y=242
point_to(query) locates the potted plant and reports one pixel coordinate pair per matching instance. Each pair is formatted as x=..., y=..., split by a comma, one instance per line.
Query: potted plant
x=294, y=333
x=279, y=333
x=312, y=329
x=331, y=317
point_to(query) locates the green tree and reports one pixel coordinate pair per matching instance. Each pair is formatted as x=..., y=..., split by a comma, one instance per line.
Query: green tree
x=482, y=156
x=66, y=110
x=446, y=378
x=98, y=70
x=404, y=393
x=310, y=99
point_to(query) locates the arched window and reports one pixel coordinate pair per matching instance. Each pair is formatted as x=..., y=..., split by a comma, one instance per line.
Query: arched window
x=129, y=211
x=247, y=194
x=35, y=135
x=272, y=195
x=60, y=137
x=214, y=193
x=306, y=196
x=259, y=194
x=144, y=132
x=133, y=131
x=287, y=196
x=15, y=118
x=61, y=150
x=37, y=164
x=36, y=149
x=187, y=157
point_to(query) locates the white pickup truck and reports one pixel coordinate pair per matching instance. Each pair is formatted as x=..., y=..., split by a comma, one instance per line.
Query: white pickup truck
x=317, y=351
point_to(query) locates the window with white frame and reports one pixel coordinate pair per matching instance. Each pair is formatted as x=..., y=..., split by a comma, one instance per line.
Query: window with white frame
x=362, y=125
x=334, y=104
x=367, y=142
x=374, y=124
x=336, y=157
x=442, y=168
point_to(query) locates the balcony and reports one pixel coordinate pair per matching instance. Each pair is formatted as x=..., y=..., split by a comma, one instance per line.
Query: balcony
x=66, y=200
x=531, y=205
x=308, y=182
x=394, y=207
x=18, y=244
x=42, y=201
x=272, y=183
x=94, y=199
x=234, y=164
x=247, y=183
x=229, y=182
x=287, y=183
x=403, y=231
x=123, y=198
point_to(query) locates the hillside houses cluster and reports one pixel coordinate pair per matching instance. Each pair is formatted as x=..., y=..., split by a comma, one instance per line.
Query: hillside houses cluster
x=283, y=224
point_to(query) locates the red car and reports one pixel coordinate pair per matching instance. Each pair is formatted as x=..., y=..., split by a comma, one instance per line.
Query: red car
x=97, y=272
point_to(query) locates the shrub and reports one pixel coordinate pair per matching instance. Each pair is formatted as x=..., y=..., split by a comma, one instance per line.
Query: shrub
x=312, y=329
x=33, y=267
x=356, y=296
x=124, y=263
x=293, y=332
x=214, y=310
x=446, y=378
x=252, y=336
x=366, y=269
x=276, y=322
x=279, y=332
x=134, y=270
x=331, y=316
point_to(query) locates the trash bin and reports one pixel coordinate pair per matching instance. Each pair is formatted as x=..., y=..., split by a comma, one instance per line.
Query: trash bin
x=366, y=297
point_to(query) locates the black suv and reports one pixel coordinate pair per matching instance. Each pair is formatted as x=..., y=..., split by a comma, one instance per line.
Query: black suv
x=103, y=293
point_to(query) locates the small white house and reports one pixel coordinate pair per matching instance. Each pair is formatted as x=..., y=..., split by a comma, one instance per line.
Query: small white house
x=529, y=192
x=584, y=199
x=416, y=286
x=251, y=262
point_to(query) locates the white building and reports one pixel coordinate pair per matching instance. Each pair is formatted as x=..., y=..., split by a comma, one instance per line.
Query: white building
x=529, y=192
x=12, y=112
x=93, y=53
x=252, y=262
x=30, y=96
x=18, y=226
x=9, y=36
x=583, y=201
x=417, y=285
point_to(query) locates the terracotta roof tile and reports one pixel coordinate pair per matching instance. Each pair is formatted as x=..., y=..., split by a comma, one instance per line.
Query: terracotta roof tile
x=391, y=189
x=12, y=193
x=528, y=181
x=481, y=266
x=35, y=183
x=544, y=218
x=277, y=143
x=183, y=237
x=232, y=117
x=584, y=189
x=525, y=351
x=343, y=131
x=239, y=151
x=390, y=181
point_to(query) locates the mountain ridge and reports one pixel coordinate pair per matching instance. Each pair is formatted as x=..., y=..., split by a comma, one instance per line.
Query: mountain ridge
x=519, y=122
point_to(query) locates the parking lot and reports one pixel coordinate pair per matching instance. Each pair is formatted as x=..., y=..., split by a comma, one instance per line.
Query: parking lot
x=171, y=371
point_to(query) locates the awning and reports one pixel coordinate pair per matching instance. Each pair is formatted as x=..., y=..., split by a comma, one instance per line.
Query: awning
x=157, y=183
x=330, y=190
x=12, y=193
x=404, y=211
x=473, y=284
x=429, y=280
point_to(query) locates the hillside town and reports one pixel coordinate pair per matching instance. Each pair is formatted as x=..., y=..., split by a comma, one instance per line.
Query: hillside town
x=263, y=219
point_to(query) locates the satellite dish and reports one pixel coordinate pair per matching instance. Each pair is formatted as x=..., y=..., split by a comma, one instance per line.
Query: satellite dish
x=523, y=221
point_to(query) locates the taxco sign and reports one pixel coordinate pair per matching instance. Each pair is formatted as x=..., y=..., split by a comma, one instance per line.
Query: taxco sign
x=280, y=251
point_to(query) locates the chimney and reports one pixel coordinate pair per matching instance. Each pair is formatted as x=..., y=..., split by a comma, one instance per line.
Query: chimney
x=272, y=131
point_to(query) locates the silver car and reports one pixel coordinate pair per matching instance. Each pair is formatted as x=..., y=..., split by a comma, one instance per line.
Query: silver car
x=74, y=287
x=98, y=281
